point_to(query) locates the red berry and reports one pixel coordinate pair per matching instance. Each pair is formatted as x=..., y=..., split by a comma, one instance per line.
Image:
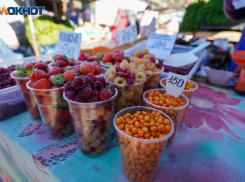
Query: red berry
x=82, y=57
x=96, y=94
x=98, y=85
x=56, y=80
x=60, y=57
x=125, y=72
x=152, y=59
x=68, y=87
x=107, y=58
x=105, y=94
x=71, y=62
x=71, y=94
x=79, y=99
x=54, y=71
x=78, y=83
x=85, y=93
x=58, y=126
x=28, y=66
x=37, y=75
x=97, y=69
x=102, y=80
x=69, y=75
x=41, y=66
x=93, y=99
x=41, y=84
x=60, y=63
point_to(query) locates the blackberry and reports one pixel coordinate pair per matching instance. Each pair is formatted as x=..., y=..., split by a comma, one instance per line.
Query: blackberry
x=98, y=85
x=78, y=83
x=93, y=99
x=71, y=94
x=68, y=86
x=85, y=93
x=89, y=80
x=96, y=94
x=102, y=80
x=111, y=87
x=79, y=99
x=91, y=75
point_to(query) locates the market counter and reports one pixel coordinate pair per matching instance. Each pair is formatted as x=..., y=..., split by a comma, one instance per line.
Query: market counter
x=209, y=145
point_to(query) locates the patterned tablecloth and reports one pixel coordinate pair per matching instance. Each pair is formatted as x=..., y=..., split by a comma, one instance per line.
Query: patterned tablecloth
x=209, y=146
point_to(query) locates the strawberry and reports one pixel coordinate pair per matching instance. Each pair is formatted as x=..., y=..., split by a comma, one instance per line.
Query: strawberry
x=41, y=66
x=37, y=75
x=56, y=112
x=82, y=57
x=65, y=118
x=47, y=100
x=34, y=112
x=47, y=119
x=56, y=80
x=41, y=85
x=97, y=69
x=55, y=93
x=54, y=71
x=58, y=126
x=99, y=56
x=23, y=88
x=31, y=104
x=95, y=63
x=77, y=63
x=69, y=76
x=43, y=108
x=28, y=66
x=60, y=63
x=60, y=57
x=71, y=62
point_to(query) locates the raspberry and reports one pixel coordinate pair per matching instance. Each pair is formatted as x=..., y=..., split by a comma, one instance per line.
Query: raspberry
x=98, y=85
x=159, y=65
x=102, y=80
x=68, y=87
x=96, y=94
x=111, y=87
x=131, y=80
x=152, y=60
x=105, y=94
x=71, y=94
x=79, y=99
x=78, y=83
x=141, y=55
x=118, y=74
x=118, y=68
x=100, y=119
x=85, y=93
x=89, y=80
x=93, y=99
x=125, y=72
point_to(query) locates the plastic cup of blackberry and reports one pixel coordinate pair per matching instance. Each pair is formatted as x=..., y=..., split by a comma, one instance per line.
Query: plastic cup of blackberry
x=93, y=123
x=54, y=111
x=28, y=97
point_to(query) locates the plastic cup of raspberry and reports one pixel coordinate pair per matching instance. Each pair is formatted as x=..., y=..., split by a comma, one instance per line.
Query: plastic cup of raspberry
x=91, y=103
x=29, y=99
x=54, y=111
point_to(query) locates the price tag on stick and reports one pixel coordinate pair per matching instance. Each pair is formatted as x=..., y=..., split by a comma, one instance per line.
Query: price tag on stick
x=175, y=84
x=161, y=45
x=69, y=44
x=126, y=35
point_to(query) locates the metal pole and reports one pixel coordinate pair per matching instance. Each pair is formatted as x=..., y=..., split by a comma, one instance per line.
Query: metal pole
x=33, y=35
x=55, y=7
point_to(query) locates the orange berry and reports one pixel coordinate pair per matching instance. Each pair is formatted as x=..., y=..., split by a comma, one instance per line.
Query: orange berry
x=118, y=121
x=168, y=128
x=141, y=133
x=121, y=127
x=134, y=130
x=166, y=122
x=137, y=124
x=145, y=130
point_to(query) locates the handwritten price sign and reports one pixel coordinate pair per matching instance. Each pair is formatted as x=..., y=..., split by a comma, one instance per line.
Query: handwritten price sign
x=175, y=84
x=69, y=44
x=127, y=35
x=161, y=45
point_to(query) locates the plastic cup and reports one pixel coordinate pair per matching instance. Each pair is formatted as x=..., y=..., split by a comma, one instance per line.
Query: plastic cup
x=175, y=113
x=92, y=125
x=102, y=74
x=128, y=95
x=64, y=69
x=188, y=93
x=152, y=80
x=140, y=157
x=28, y=97
x=54, y=111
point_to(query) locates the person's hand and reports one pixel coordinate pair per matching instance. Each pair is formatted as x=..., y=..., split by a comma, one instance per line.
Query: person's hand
x=14, y=46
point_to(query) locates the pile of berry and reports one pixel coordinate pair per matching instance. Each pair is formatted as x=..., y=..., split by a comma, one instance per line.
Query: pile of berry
x=89, y=89
x=62, y=61
x=89, y=57
x=114, y=58
x=125, y=73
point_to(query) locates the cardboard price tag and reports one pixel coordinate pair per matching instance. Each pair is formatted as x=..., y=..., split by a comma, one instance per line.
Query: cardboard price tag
x=69, y=44
x=161, y=45
x=126, y=35
x=175, y=84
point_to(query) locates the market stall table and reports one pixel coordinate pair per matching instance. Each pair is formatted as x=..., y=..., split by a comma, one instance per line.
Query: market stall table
x=208, y=146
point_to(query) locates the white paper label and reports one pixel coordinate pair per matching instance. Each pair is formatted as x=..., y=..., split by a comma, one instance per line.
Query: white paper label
x=238, y=4
x=69, y=44
x=175, y=84
x=126, y=35
x=161, y=45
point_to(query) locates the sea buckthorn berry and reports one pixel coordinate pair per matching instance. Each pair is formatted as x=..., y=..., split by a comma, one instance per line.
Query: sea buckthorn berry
x=168, y=128
x=134, y=130
x=118, y=121
x=137, y=124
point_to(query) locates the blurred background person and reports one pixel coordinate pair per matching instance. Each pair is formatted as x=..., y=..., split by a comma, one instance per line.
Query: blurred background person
x=121, y=22
x=235, y=14
x=86, y=14
x=147, y=22
x=72, y=13
x=132, y=20
x=12, y=32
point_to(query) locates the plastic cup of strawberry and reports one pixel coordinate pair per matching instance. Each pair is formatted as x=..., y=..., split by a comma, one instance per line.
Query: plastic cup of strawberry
x=28, y=97
x=91, y=102
x=54, y=111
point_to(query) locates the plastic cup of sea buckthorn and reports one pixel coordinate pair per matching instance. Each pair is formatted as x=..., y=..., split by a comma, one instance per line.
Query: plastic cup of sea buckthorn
x=92, y=124
x=54, y=111
x=29, y=99
x=170, y=105
x=189, y=91
x=128, y=95
x=141, y=147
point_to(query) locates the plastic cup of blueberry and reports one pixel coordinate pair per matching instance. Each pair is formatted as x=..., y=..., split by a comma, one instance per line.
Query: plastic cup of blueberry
x=91, y=103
